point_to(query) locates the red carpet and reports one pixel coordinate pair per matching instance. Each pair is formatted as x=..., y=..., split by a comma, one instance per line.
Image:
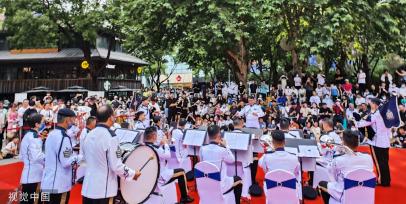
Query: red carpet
x=10, y=177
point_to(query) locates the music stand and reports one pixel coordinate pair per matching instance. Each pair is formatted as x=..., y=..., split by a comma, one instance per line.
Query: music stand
x=307, y=161
x=127, y=136
x=141, y=131
x=257, y=133
x=238, y=142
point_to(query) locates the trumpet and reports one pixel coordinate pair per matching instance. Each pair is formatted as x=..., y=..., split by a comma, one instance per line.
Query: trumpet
x=266, y=140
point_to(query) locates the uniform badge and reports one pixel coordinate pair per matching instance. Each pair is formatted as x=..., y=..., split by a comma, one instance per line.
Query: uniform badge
x=126, y=174
x=389, y=115
x=118, y=152
x=67, y=153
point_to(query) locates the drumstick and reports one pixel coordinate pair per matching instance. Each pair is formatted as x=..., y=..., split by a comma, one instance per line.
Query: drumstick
x=151, y=158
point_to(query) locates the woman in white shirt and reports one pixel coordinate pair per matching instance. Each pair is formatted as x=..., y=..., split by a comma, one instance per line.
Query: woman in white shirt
x=362, y=80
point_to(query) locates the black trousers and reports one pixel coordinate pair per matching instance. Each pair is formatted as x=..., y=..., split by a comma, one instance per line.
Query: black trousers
x=29, y=189
x=58, y=198
x=381, y=162
x=181, y=182
x=254, y=167
x=324, y=195
x=96, y=201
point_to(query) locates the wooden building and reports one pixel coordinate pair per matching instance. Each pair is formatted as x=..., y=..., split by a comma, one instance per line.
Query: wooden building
x=22, y=70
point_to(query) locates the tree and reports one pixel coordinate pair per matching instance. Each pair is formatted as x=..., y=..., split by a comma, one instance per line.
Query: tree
x=48, y=23
x=150, y=32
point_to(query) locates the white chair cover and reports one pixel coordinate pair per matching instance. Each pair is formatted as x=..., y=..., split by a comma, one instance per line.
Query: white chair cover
x=361, y=188
x=280, y=194
x=210, y=189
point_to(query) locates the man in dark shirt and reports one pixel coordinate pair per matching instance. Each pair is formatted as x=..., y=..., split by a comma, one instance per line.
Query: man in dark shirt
x=31, y=109
x=170, y=104
x=325, y=112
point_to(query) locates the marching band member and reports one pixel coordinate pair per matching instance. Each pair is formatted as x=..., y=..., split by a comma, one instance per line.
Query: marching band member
x=58, y=174
x=90, y=125
x=140, y=118
x=217, y=152
x=328, y=128
x=33, y=158
x=158, y=125
x=167, y=175
x=380, y=143
x=248, y=155
x=343, y=164
x=102, y=154
x=252, y=113
x=144, y=107
x=281, y=159
x=177, y=137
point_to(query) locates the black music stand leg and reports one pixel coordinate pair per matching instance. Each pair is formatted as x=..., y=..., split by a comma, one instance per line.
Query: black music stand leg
x=235, y=163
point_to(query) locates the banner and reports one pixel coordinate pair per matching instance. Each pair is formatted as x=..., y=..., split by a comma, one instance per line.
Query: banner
x=390, y=113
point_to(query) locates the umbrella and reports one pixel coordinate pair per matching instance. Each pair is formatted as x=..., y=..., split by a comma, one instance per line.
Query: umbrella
x=73, y=89
x=120, y=89
x=40, y=89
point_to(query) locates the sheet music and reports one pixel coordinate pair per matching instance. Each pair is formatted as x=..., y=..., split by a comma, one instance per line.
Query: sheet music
x=291, y=150
x=237, y=140
x=308, y=151
x=194, y=137
x=125, y=135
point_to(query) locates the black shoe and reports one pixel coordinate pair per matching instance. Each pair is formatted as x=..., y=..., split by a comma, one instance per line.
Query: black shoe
x=188, y=199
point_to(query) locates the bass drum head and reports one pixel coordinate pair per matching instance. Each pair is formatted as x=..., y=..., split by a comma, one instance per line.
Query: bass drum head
x=139, y=191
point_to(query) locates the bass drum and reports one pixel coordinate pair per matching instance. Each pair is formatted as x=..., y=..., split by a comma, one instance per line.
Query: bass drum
x=135, y=157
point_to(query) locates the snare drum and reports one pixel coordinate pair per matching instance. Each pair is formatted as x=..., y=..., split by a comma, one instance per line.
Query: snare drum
x=135, y=156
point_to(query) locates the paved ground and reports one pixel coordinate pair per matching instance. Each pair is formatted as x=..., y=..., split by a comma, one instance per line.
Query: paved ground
x=8, y=161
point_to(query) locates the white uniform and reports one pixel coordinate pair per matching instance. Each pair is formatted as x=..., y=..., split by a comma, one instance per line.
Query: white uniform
x=57, y=177
x=33, y=157
x=252, y=121
x=341, y=165
x=164, y=153
x=246, y=157
x=103, y=162
x=280, y=159
x=139, y=125
x=382, y=134
x=146, y=111
x=180, y=151
x=216, y=155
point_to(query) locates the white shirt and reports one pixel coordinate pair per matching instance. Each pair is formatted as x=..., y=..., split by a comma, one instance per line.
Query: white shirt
x=361, y=78
x=321, y=79
x=382, y=134
x=281, y=159
x=217, y=155
x=146, y=111
x=33, y=157
x=57, y=177
x=20, y=114
x=48, y=115
x=389, y=78
x=102, y=154
x=359, y=101
x=315, y=99
x=251, y=119
x=298, y=81
x=7, y=149
x=180, y=151
x=341, y=166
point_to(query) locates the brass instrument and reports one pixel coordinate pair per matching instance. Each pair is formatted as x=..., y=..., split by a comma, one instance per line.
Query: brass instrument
x=329, y=142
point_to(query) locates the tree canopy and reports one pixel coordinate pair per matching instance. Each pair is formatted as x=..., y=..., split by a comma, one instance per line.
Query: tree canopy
x=275, y=35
